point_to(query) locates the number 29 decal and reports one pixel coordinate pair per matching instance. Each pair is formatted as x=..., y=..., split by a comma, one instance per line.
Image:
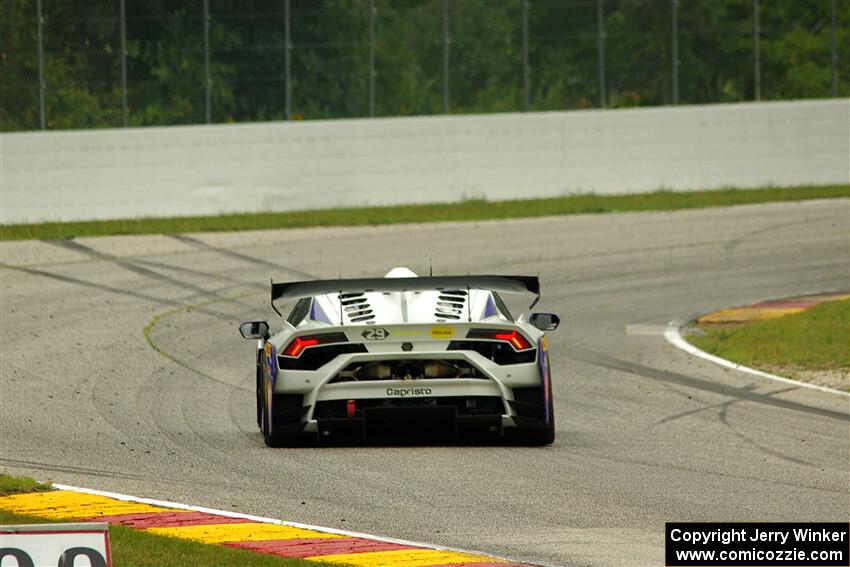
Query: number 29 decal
x=375, y=334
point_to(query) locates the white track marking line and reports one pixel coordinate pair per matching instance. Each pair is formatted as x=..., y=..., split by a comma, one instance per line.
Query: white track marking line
x=674, y=336
x=249, y=517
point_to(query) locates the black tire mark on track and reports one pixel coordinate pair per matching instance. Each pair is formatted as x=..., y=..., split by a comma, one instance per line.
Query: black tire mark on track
x=123, y=428
x=233, y=388
x=132, y=266
x=688, y=413
x=99, y=406
x=723, y=408
x=252, y=432
x=201, y=273
x=195, y=443
x=738, y=393
x=184, y=442
x=200, y=244
x=71, y=469
x=119, y=291
x=691, y=470
x=723, y=415
x=730, y=245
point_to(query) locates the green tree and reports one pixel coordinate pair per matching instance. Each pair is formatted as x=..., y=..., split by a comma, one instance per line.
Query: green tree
x=166, y=73
x=18, y=66
x=409, y=57
x=796, y=48
x=563, y=55
x=330, y=59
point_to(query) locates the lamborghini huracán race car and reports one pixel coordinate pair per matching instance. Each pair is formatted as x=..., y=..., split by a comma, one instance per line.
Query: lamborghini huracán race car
x=401, y=356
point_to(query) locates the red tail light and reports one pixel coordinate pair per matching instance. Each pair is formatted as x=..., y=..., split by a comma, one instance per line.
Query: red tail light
x=298, y=344
x=516, y=340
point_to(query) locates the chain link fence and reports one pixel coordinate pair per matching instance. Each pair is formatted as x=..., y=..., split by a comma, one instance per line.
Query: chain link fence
x=68, y=64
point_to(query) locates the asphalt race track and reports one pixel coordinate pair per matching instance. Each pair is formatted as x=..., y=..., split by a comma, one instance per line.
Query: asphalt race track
x=123, y=370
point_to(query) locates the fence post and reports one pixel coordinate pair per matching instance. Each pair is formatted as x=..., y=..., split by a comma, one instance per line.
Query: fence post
x=600, y=41
x=675, y=51
x=446, y=42
x=526, y=70
x=834, y=53
x=756, y=50
x=287, y=52
x=124, y=63
x=372, y=14
x=40, y=66
x=208, y=81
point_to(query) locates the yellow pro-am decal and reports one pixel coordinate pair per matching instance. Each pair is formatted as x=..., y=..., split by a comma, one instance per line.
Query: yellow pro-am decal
x=441, y=332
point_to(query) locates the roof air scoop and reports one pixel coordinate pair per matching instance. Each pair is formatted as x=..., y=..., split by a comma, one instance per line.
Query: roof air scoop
x=401, y=272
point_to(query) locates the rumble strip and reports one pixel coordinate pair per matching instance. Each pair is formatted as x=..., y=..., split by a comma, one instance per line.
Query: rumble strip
x=262, y=535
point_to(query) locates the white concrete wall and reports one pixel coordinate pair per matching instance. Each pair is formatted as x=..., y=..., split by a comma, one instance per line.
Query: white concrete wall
x=202, y=170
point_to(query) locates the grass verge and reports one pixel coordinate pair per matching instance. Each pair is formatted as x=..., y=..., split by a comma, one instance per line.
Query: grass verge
x=815, y=340
x=467, y=210
x=136, y=548
x=15, y=484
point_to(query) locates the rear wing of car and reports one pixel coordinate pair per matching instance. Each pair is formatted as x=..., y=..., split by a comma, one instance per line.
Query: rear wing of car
x=500, y=284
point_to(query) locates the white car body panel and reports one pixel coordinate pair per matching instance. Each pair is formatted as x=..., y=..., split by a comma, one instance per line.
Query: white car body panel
x=406, y=350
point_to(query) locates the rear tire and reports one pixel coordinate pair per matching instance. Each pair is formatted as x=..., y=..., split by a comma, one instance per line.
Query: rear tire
x=293, y=437
x=539, y=436
x=267, y=426
x=260, y=403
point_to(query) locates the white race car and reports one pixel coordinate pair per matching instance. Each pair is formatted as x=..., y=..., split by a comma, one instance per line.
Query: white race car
x=403, y=357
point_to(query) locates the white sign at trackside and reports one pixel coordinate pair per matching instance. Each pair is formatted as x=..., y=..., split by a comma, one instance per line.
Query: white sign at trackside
x=52, y=545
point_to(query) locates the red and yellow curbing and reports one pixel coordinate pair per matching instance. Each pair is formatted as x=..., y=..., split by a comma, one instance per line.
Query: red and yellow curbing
x=256, y=534
x=767, y=309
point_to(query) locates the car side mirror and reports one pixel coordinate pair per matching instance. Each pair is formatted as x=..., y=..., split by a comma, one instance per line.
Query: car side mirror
x=545, y=321
x=254, y=329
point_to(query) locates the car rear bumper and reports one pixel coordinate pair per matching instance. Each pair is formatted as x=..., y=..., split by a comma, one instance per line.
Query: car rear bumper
x=438, y=423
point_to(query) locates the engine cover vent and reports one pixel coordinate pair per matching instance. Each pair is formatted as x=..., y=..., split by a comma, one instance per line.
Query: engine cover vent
x=450, y=305
x=356, y=307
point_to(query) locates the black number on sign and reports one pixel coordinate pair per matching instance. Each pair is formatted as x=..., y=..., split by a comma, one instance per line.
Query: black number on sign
x=21, y=556
x=376, y=334
x=67, y=559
